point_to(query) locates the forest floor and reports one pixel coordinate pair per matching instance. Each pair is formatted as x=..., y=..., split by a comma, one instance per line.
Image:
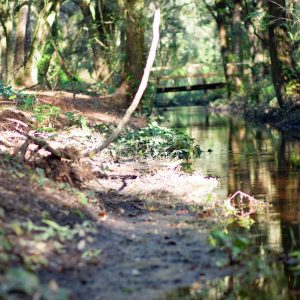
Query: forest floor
x=104, y=228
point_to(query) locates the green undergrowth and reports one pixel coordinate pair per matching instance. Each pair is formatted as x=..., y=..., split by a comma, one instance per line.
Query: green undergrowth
x=26, y=247
x=34, y=237
x=256, y=270
x=155, y=141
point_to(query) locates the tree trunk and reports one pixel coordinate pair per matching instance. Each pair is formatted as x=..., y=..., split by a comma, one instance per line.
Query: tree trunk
x=255, y=49
x=228, y=16
x=2, y=55
x=19, y=57
x=225, y=51
x=100, y=66
x=282, y=65
x=237, y=40
x=135, y=51
x=44, y=24
x=6, y=22
x=9, y=45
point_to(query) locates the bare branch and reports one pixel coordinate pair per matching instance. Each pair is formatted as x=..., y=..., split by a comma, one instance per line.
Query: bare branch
x=140, y=92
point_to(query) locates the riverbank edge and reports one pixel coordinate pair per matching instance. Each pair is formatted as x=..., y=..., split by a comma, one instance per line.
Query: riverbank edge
x=29, y=197
x=286, y=120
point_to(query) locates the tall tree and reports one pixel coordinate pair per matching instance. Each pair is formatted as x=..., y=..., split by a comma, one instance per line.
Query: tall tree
x=46, y=18
x=227, y=15
x=135, y=51
x=282, y=64
x=20, y=47
x=7, y=11
x=257, y=47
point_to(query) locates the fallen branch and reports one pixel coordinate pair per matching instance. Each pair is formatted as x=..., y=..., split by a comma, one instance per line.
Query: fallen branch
x=18, y=122
x=140, y=92
x=251, y=199
x=7, y=102
x=115, y=176
x=41, y=143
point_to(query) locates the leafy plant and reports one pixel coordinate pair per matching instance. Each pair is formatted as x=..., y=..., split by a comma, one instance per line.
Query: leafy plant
x=104, y=128
x=18, y=283
x=155, y=141
x=75, y=119
x=24, y=101
x=54, y=230
x=45, y=114
x=27, y=102
x=233, y=244
x=6, y=91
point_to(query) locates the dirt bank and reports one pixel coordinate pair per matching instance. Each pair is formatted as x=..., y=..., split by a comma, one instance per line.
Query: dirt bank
x=129, y=230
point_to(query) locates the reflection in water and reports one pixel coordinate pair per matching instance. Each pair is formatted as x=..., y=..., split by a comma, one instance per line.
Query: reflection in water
x=257, y=161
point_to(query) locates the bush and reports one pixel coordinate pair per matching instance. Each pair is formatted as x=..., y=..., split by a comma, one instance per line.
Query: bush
x=155, y=141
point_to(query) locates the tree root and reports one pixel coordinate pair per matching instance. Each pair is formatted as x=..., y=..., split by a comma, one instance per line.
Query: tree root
x=60, y=165
x=68, y=153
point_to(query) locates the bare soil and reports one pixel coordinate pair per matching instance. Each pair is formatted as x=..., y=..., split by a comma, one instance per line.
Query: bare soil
x=127, y=230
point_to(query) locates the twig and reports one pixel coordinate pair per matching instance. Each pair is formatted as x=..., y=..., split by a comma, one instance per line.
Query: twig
x=42, y=144
x=114, y=176
x=7, y=102
x=250, y=198
x=18, y=122
x=140, y=92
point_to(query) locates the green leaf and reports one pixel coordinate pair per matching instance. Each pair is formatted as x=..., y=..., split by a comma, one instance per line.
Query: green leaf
x=20, y=280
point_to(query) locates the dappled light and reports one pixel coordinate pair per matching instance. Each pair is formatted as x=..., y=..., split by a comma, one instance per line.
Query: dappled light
x=149, y=149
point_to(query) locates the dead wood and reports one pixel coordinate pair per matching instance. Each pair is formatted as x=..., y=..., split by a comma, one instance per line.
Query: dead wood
x=140, y=92
x=69, y=153
x=251, y=200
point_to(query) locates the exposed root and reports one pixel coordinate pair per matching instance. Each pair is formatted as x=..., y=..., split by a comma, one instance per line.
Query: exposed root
x=69, y=153
x=58, y=164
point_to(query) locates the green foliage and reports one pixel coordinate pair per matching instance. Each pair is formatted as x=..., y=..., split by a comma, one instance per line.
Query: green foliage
x=102, y=88
x=51, y=229
x=260, y=19
x=104, y=128
x=27, y=103
x=45, y=115
x=23, y=101
x=75, y=119
x=155, y=141
x=18, y=283
x=293, y=88
x=18, y=279
x=6, y=91
x=233, y=244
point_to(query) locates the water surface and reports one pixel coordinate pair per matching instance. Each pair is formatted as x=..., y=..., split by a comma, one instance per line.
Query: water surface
x=259, y=161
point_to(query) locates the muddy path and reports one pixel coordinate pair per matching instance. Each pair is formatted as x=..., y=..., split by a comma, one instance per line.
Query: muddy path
x=147, y=244
x=146, y=253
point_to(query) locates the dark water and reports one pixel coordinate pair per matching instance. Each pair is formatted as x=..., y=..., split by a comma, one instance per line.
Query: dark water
x=261, y=162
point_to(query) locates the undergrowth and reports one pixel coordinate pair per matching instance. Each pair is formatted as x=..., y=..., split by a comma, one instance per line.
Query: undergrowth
x=155, y=141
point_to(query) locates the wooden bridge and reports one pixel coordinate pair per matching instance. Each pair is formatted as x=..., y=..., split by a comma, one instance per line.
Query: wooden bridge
x=190, y=87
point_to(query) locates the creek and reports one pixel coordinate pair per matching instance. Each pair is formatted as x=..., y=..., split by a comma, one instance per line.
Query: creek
x=261, y=162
